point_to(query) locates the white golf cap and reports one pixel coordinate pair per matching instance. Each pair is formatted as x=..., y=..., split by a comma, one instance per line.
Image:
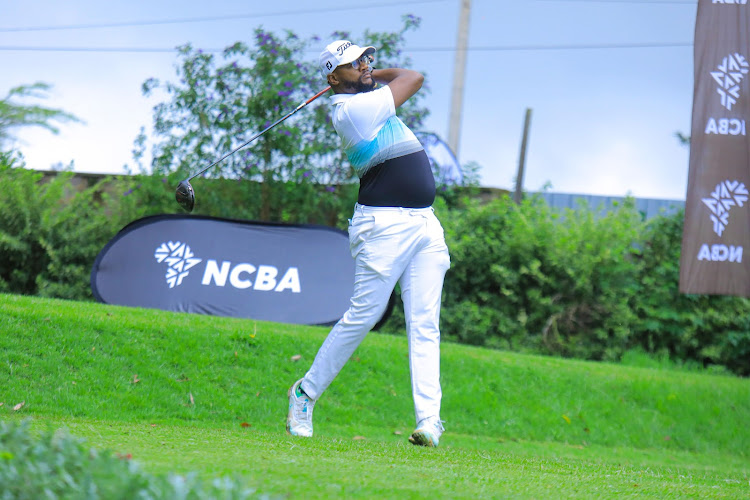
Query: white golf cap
x=341, y=52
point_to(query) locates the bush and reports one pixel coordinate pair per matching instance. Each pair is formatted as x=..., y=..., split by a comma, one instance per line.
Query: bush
x=527, y=277
x=57, y=465
x=712, y=330
x=51, y=231
x=579, y=284
x=523, y=277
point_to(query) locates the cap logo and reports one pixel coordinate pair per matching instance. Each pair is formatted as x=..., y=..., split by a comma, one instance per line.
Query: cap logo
x=329, y=65
x=341, y=48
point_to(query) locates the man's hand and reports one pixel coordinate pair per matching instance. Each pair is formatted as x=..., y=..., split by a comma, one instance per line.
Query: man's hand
x=404, y=83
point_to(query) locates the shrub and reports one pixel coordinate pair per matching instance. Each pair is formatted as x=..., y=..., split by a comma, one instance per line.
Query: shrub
x=527, y=277
x=523, y=277
x=713, y=330
x=51, y=231
x=57, y=465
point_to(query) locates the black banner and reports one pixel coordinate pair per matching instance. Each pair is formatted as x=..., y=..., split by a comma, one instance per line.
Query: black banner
x=300, y=274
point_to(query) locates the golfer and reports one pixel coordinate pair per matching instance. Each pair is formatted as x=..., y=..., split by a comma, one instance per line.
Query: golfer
x=394, y=235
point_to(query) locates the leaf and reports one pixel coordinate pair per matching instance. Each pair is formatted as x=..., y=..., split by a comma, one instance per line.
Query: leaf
x=566, y=418
x=192, y=401
x=296, y=357
x=19, y=406
x=135, y=379
x=244, y=425
x=359, y=438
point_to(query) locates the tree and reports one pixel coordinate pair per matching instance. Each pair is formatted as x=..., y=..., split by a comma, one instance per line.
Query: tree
x=221, y=101
x=15, y=115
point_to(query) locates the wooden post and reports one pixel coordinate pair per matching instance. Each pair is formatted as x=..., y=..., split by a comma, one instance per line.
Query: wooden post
x=459, y=70
x=518, y=195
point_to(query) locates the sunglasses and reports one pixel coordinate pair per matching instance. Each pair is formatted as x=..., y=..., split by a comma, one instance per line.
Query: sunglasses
x=364, y=60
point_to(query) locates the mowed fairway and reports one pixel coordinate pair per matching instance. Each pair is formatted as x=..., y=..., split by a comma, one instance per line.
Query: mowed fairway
x=185, y=393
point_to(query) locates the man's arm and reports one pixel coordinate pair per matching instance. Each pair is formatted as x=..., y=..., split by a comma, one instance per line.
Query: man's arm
x=404, y=83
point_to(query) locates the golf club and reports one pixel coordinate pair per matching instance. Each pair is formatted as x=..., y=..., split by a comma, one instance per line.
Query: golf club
x=185, y=195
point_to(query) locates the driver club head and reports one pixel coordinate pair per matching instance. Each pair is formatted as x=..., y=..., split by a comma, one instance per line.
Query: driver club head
x=185, y=196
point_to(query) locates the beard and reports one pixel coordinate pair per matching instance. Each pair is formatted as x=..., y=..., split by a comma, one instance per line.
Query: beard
x=360, y=86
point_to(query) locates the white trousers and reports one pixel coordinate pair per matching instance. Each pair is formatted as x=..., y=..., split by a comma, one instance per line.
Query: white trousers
x=391, y=245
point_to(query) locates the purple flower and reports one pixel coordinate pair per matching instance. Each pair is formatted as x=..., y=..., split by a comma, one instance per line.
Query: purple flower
x=288, y=84
x=286, y=133
x=330, y=189
x=306, y=174
x=219, y=73
x=284, y=93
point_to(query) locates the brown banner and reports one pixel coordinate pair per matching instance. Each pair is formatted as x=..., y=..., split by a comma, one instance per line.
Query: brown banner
x=715, y=255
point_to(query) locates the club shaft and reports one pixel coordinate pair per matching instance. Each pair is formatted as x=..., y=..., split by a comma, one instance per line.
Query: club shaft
x=261, y=133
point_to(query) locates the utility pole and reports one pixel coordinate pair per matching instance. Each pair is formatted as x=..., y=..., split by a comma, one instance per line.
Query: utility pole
x=522, y=157
x=459, y=69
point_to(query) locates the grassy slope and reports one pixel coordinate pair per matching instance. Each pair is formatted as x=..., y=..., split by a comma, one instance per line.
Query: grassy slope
x=138, y=378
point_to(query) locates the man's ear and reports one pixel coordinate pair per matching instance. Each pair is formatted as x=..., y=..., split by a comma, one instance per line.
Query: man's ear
x=333, y=80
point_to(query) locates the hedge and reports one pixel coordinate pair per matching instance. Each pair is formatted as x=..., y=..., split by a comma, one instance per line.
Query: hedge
x=523, y=277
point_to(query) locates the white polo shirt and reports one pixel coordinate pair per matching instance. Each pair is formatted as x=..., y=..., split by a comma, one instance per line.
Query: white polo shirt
x=370, y=131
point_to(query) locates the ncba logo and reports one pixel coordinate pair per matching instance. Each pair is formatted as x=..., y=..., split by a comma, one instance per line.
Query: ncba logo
x=179, y=258
x=727, y=194
x=726, y=126
x=730, y=2
x=731, y=71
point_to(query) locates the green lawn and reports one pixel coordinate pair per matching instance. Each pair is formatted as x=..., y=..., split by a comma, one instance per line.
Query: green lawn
x=184, y=393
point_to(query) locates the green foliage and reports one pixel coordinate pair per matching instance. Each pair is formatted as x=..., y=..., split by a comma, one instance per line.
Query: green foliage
x=527, y=278
x=14, y=114
x=578, y=284
x=523, y=277
x=711, y=329
x=50, y=231
x=58, y=465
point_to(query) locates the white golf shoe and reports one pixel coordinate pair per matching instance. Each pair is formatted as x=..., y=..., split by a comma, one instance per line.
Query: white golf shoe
x=299, y=419
x=428, y=432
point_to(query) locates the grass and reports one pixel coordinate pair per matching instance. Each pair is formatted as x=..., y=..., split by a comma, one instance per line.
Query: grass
x=185, y=393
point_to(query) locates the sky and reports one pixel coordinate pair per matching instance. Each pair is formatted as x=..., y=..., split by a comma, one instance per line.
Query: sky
x=609, y=82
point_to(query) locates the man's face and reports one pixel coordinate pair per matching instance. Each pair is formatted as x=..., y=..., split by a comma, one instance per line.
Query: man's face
x=355, y=80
